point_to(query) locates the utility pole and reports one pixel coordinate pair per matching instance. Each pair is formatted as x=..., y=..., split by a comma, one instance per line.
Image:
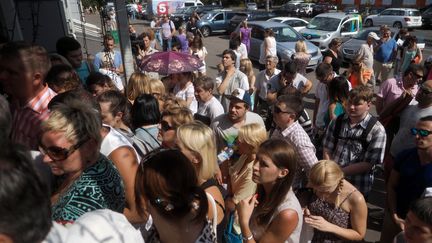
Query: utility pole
x=267, y=5
x=125, y=44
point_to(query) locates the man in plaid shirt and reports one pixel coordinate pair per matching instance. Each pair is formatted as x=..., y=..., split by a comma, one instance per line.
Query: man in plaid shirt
x=355, y=152
x=286, y=111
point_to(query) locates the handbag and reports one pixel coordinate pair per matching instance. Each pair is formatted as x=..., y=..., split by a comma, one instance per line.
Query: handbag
x=229, y=235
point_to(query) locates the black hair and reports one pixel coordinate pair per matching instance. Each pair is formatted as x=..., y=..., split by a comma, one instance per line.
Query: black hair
x=145, y=111
x=323, y=70
x=76, y=94
x=168, y=180
x=290, y=67
x=293, y=103
x=67, y=44
x=62, y=76
x=96, y=78
x=25, y=208
x=422, y=208
x=5, y=120
x=231, y=53
x=426, y=118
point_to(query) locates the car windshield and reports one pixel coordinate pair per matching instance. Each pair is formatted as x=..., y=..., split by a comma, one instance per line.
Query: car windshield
x=276, y=20
x=324, y=23
x=285, y=34
x=363, y=34
x=239, y=17
x=413, y=13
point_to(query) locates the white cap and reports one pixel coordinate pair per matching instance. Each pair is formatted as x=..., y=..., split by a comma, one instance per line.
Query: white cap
x=373, y=35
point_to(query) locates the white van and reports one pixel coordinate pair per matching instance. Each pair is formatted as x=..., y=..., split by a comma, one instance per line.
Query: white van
x=324, y=27
x=189, y=3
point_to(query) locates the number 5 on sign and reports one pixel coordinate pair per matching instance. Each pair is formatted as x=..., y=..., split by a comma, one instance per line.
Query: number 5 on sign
x=162, y=8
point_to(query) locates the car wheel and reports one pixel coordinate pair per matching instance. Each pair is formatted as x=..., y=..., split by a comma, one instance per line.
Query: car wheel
x=206, y=31
x=397, y=25
x=368, y=23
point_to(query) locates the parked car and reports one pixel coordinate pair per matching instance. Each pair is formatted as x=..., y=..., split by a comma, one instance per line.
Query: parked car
x=351, y=47
x=251, y=6
x=324, y=27
x=396, y=17
x=320, y=8
x=189, y=3
x=351, y=10
x=181, y=16
x=297, y=23
x=366, y=11
x=201, y=10
x=286, y=38
x=288, y=9
x=427, y=17
x=216, y=20
x=306, y=9
x=249, y=16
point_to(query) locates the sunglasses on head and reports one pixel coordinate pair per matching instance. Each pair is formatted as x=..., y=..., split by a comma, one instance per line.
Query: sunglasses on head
x=421, y=132
x=58, y=153
x=165, y=126
x=278, y=110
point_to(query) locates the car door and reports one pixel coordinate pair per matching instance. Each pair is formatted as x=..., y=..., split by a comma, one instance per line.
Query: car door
x=385, y=17
x=349, y=28
x=218, y=22
x=257, y=37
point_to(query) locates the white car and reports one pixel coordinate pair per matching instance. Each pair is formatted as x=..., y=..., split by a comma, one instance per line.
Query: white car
x=396, y=17
x=297, y=23
x=251, y=6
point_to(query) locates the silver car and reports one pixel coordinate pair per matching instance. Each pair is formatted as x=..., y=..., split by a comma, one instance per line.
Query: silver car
x=351, y=47
x=286, y=38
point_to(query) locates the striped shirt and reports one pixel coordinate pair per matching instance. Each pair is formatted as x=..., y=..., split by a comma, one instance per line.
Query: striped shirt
x=350, y=151
x=26, y=123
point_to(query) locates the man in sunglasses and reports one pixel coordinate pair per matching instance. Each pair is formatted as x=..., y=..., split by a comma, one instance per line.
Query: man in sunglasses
x=286, y=112
x=226, y=126
x=410, y=176
x=356, y=140
x=409, y=117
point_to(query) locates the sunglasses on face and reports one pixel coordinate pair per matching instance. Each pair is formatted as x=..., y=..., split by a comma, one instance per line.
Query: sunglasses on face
x=421, y=132
x=165, y=126
x=58, y=153
x=278, y=110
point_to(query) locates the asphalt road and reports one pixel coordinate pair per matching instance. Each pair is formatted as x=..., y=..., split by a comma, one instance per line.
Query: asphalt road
x=216, y=44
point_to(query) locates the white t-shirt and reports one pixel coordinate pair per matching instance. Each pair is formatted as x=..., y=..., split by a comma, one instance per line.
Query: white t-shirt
x=243, y=51
x=188, y=91
x=201, y=54
x=272, y=49
x=114, y=140
x=262, y=82
x=238, y=81
x=212, y=108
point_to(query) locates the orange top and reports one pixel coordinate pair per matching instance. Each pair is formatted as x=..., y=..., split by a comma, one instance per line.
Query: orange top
x=354, y=78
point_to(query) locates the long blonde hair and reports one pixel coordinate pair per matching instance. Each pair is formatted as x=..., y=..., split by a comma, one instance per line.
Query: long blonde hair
x=246, y=62
x=136, y=85
x=300, y=46
x=200, y=139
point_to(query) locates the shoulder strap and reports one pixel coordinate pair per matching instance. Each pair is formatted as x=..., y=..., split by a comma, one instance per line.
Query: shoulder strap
x=337, y=128
x=348, y=196
x=213, y=204
x=372, y=121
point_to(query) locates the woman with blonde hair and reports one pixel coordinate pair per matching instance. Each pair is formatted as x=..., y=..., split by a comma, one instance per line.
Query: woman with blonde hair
x=337, y=211
x=241, y=185
x=156, y=88
x=171, y=119
x=136, y=86
x=301, y=57
x=247, y=68
x=198, y=144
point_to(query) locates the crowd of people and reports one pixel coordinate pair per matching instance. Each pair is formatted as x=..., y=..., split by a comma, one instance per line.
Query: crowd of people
x=234, y=158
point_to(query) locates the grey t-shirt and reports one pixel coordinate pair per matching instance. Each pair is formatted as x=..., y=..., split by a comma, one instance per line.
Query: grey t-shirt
x=225, y=131
x=238, y=81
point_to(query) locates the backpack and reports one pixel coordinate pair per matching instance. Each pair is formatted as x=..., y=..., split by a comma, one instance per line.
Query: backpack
x=362, y=139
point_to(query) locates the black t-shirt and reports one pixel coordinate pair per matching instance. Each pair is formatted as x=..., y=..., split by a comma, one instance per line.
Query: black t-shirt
x=336, y=61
